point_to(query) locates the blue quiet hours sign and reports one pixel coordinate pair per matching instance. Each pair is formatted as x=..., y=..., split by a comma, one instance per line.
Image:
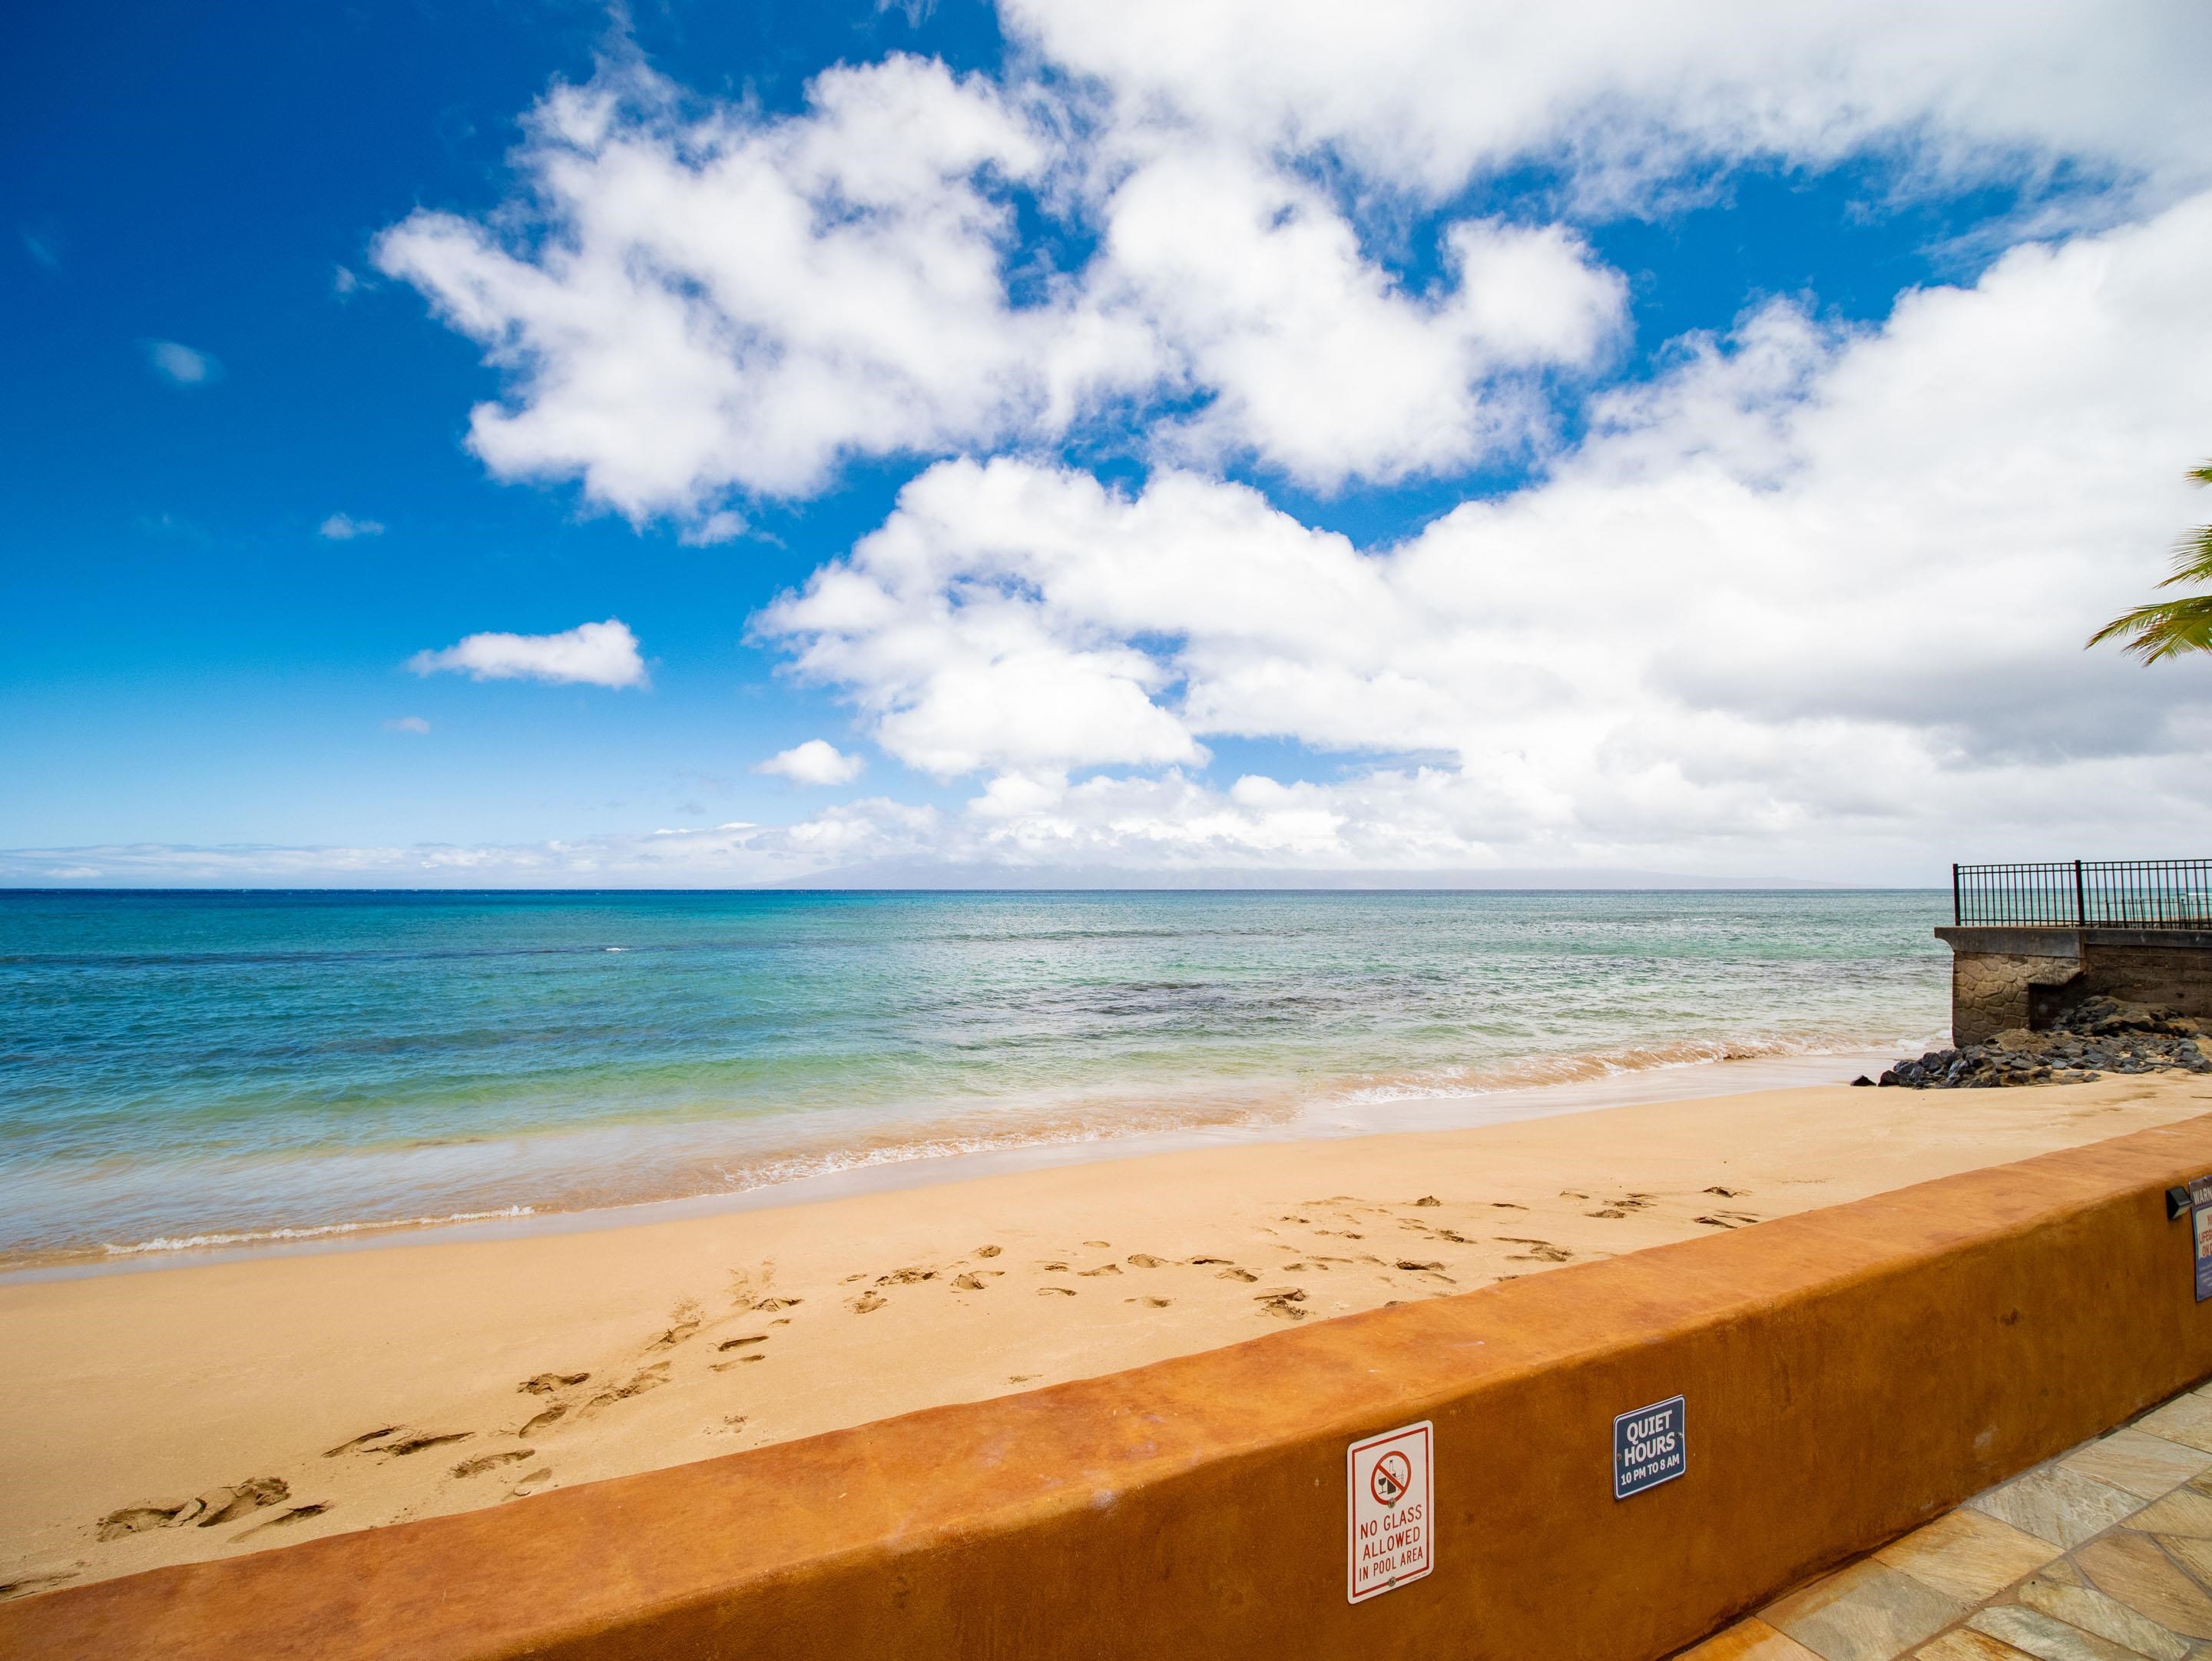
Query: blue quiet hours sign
x=1649, y=1446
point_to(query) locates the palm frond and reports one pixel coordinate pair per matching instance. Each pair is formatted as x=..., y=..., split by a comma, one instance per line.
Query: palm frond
x=2168, y=628
x=2192, y=558
x=2163, y=630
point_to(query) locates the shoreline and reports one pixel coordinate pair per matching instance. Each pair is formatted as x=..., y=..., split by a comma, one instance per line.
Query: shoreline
x=237, y=1406
x=1322, y=1120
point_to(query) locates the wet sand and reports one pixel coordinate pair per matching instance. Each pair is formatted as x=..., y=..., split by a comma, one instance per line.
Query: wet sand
x=218, y=1407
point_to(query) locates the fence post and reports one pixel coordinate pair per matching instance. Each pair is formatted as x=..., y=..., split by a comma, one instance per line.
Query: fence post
x=1957, y=917
x=2080, y=905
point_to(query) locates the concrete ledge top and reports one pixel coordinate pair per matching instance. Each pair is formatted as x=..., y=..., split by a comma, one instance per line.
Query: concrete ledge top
x=2043, y=940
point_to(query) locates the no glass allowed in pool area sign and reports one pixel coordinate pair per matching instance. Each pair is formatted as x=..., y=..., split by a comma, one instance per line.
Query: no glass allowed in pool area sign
x=1392, y=1510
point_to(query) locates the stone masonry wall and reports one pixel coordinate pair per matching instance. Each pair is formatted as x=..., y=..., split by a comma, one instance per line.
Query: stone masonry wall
x=2169, y=977
x=2002, y=978
x=1989, y=990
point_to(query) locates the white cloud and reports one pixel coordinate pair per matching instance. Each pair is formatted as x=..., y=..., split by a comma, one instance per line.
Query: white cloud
x=735, y=302
x=182, y=366
x=345, y=528
x=414, y=724
x=1319, y=362
x=722, y=526
x=1812, y=589
x=592, y=655
x=818, y=761
x=344, y=284
x=1625, y=94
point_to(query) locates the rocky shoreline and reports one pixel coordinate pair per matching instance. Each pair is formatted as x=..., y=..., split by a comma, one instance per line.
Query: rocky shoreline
x=2097, y=1036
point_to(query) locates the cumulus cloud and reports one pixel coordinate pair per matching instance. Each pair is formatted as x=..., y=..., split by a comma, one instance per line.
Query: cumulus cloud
x=1811, y=584
x=731, y=302
x=1318, y=361
x=818, y=761
x=345, y=528
x=1625, y=93
x=591, y=655
x=182, y=366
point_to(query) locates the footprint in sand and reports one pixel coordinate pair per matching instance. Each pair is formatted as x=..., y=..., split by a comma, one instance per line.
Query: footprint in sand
x=1506, y=1205
x=987, y=1252
x=739, y=1343
x=1150, y=1302
x=1726, y=1219
x=484, y=1462
x=24, y=1585
x=1100, y=1245
x=906, y=1277
x=1061, y=1291
x=682, y=1322
x=1052, y=1268
x=866, y=1304
x=650, y=1378
x=1730, y=1193
x=1144, y=1260
x=1283, y=1301
x=1233, y=1273
x=1104, y=1269
x=544, y=1385
x=1542, y=1251
x=1428, y=1199
x=1023, y=1378
x=1605, y=1211
x=206, y=1510
x=528, y=1485
x=417, y=1441
x=367, y=1436
x=552, y=1415
x=976, y=1279
x=1420, y=1267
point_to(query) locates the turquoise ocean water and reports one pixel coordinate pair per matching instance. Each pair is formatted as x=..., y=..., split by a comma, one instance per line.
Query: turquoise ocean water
x=180, y=1069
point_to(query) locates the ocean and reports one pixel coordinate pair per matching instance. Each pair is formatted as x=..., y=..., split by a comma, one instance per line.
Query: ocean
x=182, y=1071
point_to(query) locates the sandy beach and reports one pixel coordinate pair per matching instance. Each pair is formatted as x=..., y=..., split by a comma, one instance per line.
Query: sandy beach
x=208, y=1410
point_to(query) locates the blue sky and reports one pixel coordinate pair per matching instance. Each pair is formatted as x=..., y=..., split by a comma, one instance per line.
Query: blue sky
x=1633, y=581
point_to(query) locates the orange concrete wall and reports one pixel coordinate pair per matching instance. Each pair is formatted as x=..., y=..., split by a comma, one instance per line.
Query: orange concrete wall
x=1850, y=1373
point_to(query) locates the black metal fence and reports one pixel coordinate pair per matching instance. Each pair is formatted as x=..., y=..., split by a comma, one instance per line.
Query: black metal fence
x=2086, y=894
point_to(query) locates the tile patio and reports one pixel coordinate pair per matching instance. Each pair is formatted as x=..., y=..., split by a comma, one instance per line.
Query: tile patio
x=2104, y=1554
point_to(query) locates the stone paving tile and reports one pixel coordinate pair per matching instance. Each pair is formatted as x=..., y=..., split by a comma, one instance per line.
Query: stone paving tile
x=1964, y=1644
x=2062, y=1507
x=1749, y=1641
x=2184, y=1511
x=1868, y=1612
x=1968, y=1555
x=2104, y=1554
x=2039, y=1635
x=2132, y=1568
x=2186, y=1420
x=2092, y=1611
x=2193, y=1554
x=2138, y=1462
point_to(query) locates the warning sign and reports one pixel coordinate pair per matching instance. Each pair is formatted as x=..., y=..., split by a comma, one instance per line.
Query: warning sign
x=2200, y=1227
x=1392, y=1509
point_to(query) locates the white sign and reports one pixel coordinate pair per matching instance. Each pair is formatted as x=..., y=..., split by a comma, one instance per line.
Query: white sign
x=1393, y=1510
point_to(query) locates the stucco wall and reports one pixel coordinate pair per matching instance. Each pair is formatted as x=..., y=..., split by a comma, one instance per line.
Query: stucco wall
x=1849, y=1372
